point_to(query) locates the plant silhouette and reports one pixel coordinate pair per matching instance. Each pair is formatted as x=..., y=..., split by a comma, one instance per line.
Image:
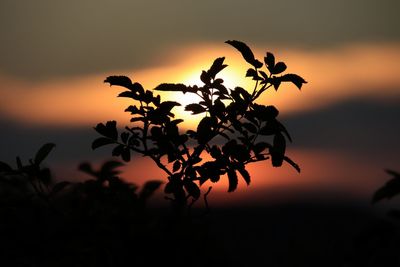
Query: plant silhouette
x=388, y=191
x=230, y=114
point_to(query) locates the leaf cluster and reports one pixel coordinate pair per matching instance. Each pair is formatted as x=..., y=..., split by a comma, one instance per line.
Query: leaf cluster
x=32, y=181
x=249, y=131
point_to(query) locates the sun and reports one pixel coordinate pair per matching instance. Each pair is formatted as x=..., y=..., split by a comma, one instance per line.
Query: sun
x=191, y=78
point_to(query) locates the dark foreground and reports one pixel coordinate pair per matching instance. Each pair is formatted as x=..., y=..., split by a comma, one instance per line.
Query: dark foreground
x=36, y=234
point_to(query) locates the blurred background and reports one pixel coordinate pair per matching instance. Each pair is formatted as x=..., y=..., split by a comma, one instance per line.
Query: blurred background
x=54, y=56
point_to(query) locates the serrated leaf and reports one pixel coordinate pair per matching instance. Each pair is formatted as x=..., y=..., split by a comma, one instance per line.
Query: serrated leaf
x=195, y=108
x=216, y=67
x=278, y=68
x=101, y=141
x=269, y=61
x=119, y=80
x=128, y=94
x=246, y=52
x=233, y=180
x=294, y=78
x=109, y=129
x=254, y=74
x=43, y=152
x=176, y=87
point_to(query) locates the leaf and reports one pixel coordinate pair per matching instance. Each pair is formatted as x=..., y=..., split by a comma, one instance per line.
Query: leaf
x=253, y=73
x=109, y=129
x=168, y=105
x=205, y=77
x=260, y=147
x=269, y=60
x=195, y=108
x=205, y=129
x=291, y=162
x=109, y=167
x=215, y=152
x=246, y=52
x=87, y=168
x=117, y=151
x=279, y=68
x=268, y=129
x=177, y=87
x=149, y=188
x=119, y=80
x=276, y=82
x=216, y=67
x=133, y=110
x=233, y=180
x=278, y=150
x=101, y=141
x=176, y=166
x=294, y=78
x=128, y=94
x=389, y=190
x=124, y=137
x=126, y=154
x=245, y=174
x=43, y=152
x=192, y=189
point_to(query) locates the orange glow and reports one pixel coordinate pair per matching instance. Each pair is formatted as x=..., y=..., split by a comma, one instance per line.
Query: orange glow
x=332, y=74
x=322, y=171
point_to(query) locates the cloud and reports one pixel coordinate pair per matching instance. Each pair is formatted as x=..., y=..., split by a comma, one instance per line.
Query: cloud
x=47, y=39
x=364, y=127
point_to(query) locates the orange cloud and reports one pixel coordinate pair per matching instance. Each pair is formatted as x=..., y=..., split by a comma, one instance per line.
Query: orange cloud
x=363, y=69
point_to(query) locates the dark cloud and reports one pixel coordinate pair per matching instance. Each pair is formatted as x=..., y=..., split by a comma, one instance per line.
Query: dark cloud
x=44, y=38
x=72, y=144
x=364, y=127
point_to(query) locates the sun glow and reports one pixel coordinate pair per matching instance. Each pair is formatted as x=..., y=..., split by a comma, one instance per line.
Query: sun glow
x=232, y=77
x=83, y=101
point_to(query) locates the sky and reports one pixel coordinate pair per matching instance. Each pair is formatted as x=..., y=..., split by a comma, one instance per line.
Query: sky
x=54, y=56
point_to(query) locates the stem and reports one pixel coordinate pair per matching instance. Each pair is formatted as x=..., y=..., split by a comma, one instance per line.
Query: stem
x=206, y=201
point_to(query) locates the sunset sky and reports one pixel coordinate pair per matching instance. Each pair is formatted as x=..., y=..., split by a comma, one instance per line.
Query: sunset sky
x=54, y=56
